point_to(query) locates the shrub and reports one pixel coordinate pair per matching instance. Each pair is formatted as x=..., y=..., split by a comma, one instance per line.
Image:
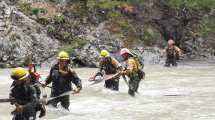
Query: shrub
x=51, y=29
x=193, y=4
x=58, y=19
x=207, y=26
x=25, y=8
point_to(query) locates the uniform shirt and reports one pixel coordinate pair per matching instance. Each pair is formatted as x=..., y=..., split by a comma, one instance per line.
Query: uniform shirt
x=132, y=66
x=62, y=82
x=109, y=64
x=25, y=95
x=172, y=51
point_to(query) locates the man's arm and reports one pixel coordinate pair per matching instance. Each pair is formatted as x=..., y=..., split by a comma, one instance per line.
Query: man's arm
x=49, y=79
x=116, y=64
x=76, y=80
x=130, y=67
x=178, y=50
x=163, y=51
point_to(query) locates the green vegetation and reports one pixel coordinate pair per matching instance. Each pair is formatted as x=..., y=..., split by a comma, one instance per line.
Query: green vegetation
x=75, y=44
x=207, y=26
x=35, y=11
x=25, y=8
x=28, y=10
x=112, y=6
x=113, y=14
x=43, y=20
x=116, y=14
x=51, y=29
x=58, y=19
x=193, y=4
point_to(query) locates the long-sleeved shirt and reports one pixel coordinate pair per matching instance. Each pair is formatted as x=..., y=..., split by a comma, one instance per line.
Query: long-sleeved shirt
x=62, y=82
x=172, y=51
x=132, y=66
x=109, y=64
x=26, y=96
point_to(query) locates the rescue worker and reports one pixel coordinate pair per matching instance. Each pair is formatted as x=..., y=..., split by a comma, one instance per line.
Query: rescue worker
x=34, y=80
x=172, y=53
x=131, y=71
x=23, y=95
x=62, y=76
x=109, y=65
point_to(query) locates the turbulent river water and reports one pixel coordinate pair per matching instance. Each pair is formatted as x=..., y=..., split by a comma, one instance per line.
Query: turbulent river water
x=183, y=93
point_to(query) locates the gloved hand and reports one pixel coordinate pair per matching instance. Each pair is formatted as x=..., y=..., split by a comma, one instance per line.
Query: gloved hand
x=92, y=79
x=76, y=91
x=122, y=72
x=19, y=108
x=43, y=85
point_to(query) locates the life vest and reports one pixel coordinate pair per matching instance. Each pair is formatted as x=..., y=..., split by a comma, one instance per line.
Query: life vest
x=171, y=51
x=138, y=68
x=108, y=66
x=138, y=59
x=60, y=82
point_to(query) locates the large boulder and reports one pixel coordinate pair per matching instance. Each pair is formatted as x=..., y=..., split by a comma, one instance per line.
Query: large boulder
x=99, y=39
x=22, y=39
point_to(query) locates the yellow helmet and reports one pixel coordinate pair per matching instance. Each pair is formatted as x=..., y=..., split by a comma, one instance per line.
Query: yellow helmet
x=19, y=73
x=63, y=55
x=104, y=53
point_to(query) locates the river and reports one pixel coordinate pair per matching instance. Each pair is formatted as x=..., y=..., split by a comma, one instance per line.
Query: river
x=183, y=93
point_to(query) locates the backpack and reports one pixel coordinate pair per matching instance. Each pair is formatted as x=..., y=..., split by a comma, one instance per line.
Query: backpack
x=140, y=64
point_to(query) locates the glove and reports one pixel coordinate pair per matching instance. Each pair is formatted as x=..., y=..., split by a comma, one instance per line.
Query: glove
x=122, y=72
x=76, y=91
x=43, y=85
x=19, y=108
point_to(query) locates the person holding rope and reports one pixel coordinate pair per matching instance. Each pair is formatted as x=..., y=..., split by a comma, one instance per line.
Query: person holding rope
x=133, y=70
x=108, y=65
x=33, y=80
x=23, y=96
x=34, y=77
x=62, y=76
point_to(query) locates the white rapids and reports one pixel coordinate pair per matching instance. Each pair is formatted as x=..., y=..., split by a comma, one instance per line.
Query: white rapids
x=183, y=93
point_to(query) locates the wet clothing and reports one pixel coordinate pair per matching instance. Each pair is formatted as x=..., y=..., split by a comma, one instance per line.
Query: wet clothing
x=112, y=84
x=172, y=54
x=61, y=83
x=39, y=106
x=33, y=80
x=132, y=72
x=25, y=95
x=171, y=60
x=110, y=66
x=64, y=101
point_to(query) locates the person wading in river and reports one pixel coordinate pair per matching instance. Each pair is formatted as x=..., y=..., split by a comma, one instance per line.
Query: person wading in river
x=172, y=52
x=62, y=76
x=131, y=70
x=32, y=79
x=23, y=96
x=109, y=65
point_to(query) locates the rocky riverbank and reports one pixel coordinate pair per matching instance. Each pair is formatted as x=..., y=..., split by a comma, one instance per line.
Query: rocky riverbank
x=34, y=30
